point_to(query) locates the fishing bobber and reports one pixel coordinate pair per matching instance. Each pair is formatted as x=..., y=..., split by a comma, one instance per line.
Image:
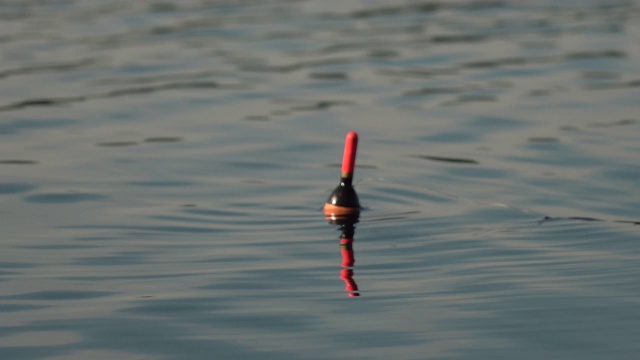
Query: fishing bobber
x=343, y=201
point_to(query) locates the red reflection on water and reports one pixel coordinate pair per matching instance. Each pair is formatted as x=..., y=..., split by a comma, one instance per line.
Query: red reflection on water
x=347, y=229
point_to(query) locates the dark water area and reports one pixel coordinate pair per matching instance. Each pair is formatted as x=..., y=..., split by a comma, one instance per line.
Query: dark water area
x=164, y=165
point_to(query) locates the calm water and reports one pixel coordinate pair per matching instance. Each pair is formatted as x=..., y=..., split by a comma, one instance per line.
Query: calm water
x=164, y=164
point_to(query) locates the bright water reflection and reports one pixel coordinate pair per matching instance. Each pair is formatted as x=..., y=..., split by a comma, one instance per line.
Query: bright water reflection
x=164, y=165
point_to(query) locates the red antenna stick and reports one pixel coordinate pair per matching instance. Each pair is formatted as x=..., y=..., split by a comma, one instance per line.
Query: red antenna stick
x=349, y=157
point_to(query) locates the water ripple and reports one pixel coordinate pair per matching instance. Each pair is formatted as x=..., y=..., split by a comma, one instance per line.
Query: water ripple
x=63, y=198
x=13, y=188
x=58, y=295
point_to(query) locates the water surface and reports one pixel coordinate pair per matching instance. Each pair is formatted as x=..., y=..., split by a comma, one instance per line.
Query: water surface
x=164, y=166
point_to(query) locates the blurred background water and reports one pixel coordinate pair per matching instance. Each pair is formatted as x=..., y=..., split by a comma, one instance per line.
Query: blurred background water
x=164, y=164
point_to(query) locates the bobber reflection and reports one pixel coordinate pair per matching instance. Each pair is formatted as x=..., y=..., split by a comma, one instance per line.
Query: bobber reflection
x=347, y=232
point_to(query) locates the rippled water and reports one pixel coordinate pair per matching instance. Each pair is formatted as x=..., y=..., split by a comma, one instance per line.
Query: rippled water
x=164, y=166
